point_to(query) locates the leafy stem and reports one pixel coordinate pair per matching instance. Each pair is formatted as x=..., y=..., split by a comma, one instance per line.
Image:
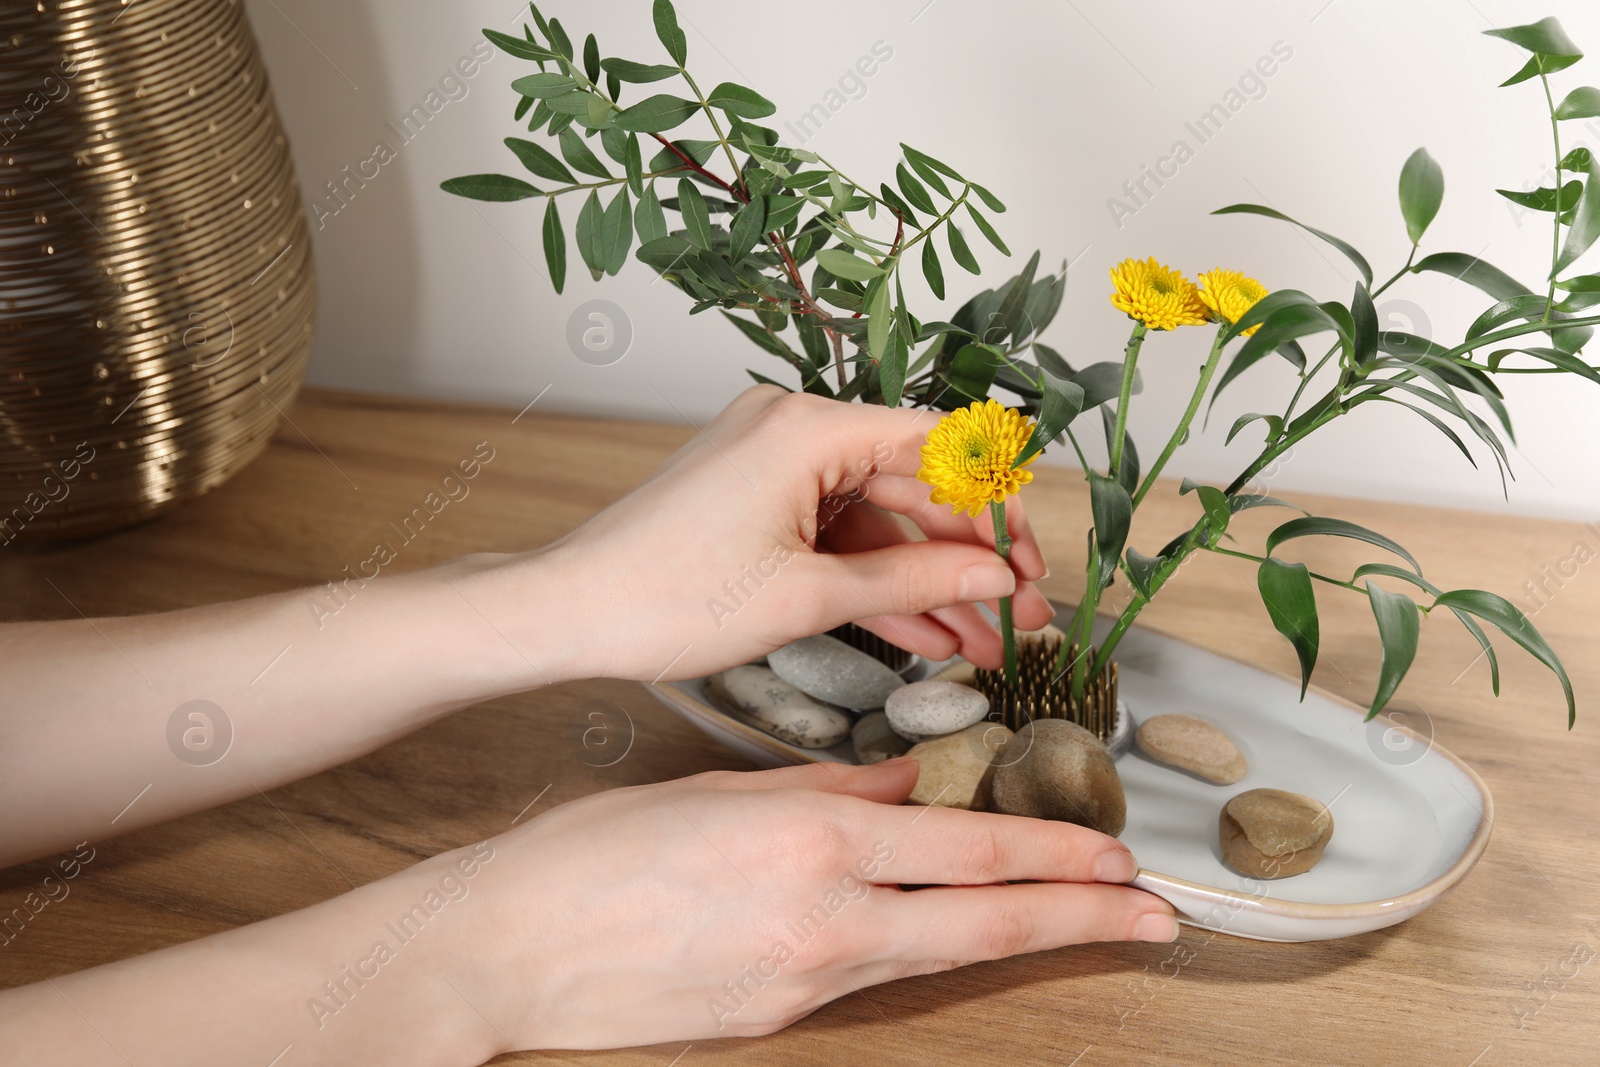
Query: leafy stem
x=1213, y=360
x=1555, y=239
x=1008, y=633
x=1130, y=362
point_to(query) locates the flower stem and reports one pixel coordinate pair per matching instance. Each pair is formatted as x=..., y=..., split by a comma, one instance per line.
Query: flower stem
x=1206, y=373
x=1130, y=361
x=1008, y=632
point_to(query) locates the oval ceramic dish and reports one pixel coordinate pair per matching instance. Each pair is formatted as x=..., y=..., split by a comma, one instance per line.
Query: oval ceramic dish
x=1410, y=819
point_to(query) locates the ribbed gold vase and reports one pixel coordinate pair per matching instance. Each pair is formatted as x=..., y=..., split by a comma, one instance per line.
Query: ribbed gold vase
x=156, y=286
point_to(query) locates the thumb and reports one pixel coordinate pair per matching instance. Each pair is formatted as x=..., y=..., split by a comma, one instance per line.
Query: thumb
x=905, y=579
x=886, y=782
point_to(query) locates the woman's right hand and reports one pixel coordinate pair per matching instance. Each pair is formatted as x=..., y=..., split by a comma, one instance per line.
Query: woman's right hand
x=735, y=903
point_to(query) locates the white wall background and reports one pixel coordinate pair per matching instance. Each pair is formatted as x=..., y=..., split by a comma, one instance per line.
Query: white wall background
x=1053, y=106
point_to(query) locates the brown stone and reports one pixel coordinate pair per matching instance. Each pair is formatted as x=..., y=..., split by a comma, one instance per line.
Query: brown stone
x=1055, y=769
x=1193, y=745
x=1271, y=833
x=958, y=769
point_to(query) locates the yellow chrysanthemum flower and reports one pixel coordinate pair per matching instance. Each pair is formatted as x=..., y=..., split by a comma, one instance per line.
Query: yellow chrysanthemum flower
x=1156, y=295
x=969, y=455
x=1229, y=294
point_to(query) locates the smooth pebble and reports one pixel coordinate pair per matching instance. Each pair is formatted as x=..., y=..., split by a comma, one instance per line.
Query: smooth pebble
x=958, y=769
x=830, y=670
x=1055, y=769
x=934, y=708
x=1272, y=833
x=769, y=703
x=1193, y=745
x=874, y=740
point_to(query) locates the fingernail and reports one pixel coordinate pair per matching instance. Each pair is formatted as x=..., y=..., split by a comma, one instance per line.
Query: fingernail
x=1045, y=575
x=1156, y=927
x=1115, y=866
x=986, y=581
x=895, y=761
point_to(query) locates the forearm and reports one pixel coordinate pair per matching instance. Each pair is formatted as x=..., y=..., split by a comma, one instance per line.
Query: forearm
x=293, y=683
x=373, y=976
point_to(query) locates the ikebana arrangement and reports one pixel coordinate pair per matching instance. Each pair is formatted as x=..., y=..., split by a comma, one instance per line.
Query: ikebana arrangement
x=808, y=263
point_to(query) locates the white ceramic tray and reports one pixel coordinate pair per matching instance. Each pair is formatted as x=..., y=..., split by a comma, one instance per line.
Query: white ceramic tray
x=1410, y=819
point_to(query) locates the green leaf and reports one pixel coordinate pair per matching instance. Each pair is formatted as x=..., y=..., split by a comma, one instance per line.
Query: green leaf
x=959, y=250
x=1274, y=426
x=841, y=264
x=880, y=321
x=1010, y=318
x=1364, y=318
x=1113, y=512
x=667, y=159
x=555, y=246
x=1292, y=605
x=1218, y=511
x=590, y=245
x=1475, y=272
x=926, y=164
x=1399, y=624
x=1062, y=401
x=929, y=175
x=972, y=371
x=762, y=338
x=543, y=86
x=738, y=100
x=696, y=219
x=840, y=298
x=1316, y=526
x=1467, y=621
x=1553, y=356
x=1545, y=199
x=1582, y=103
x=747, y=228
x=1421, y=192
x=559, y=38
x=495, y=187
x=1543, y=38
x=516, y=46
x=633, y=163
x=1585, y=224
x=988, y=230
x=639, y=73
x=667, y=30
x=616, y=232
x=1142, y=571
x=1504, y=616
x=648, y=218
x=575, y=152
x=1256, y=209
x=782, y=210
x=539, y=161
x=914, y=190
x=990, y=201
x=931, y=270
x=892, y=369
x=1292, y=314
x=1128, y=473
x=591, y=58
x=1099, y=381
x=665, y=253
x=656, y=114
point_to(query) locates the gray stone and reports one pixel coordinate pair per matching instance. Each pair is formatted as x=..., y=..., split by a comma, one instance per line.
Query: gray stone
x=1055, y=769
x=768, y=703
x=874, y=740
x=957, y=769
x=1193, y=745
x=1272, y=833
x=934, y=708
x=830, y=670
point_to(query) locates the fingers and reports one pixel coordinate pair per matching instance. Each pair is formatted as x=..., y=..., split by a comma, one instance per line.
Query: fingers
x=909, y=497
x=950, y=846
x=904, y=579
x=991, y=922
x=887, y=783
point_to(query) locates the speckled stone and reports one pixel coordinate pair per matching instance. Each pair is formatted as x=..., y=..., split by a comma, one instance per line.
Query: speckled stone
x=1056, y=769
x=768, y=703
x=1272, y=833
x=934, y=708
x=958, y=769
x=874, y=740
x=830, y=670
x=1193, y=745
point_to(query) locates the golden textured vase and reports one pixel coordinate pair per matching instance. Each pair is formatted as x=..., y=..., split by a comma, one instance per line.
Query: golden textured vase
x=156, y=285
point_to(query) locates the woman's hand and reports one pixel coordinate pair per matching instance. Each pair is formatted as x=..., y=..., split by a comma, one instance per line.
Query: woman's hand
x=776, y=522
x=736, y=903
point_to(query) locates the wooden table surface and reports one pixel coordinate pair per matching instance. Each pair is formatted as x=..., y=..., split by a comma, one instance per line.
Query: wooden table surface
x=1498, y=973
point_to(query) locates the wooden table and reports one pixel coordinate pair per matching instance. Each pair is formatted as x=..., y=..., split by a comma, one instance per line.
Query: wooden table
x=1452, y=986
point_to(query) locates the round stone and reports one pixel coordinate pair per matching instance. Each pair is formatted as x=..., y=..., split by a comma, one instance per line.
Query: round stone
x=830, y=670
x=934, y=708
x=1055, y=769
x=957, y=770
x=1193, y=745
x=874, y=740
x=1272, y=833
x=772, y=705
